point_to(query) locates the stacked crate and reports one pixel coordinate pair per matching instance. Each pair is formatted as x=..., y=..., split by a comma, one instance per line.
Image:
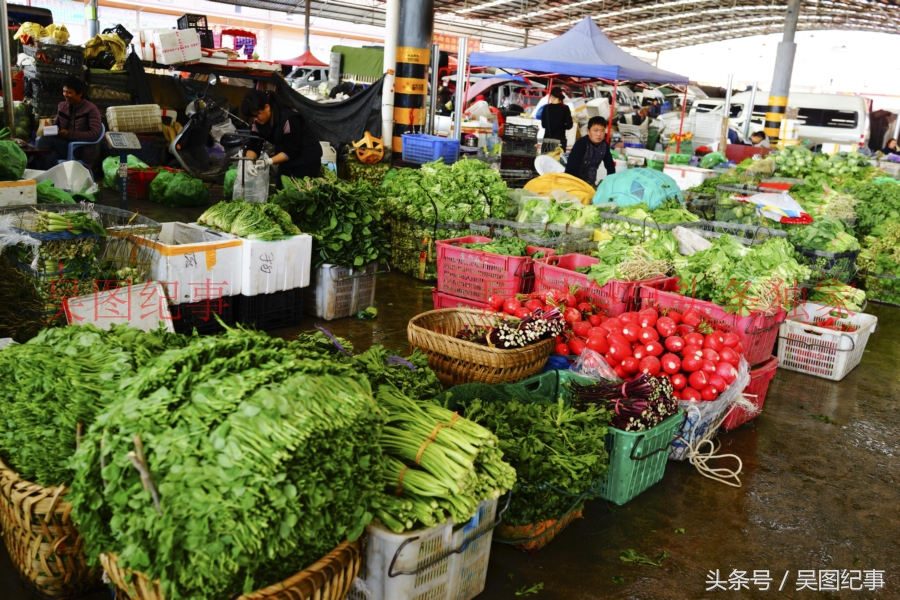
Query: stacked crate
x=53, y=64
x=518, y=154
x=199, y=23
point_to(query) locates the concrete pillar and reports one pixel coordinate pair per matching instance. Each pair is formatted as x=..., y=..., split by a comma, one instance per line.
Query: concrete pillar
x=462, y=81
x=414, y=41
x=6, y=71
x=781, y=79
x=525, y=43
x=91, y=16
x=306, y=11
x=435, y=86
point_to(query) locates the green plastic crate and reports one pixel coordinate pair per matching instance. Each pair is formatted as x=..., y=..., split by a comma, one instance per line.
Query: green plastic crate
x=637, y=459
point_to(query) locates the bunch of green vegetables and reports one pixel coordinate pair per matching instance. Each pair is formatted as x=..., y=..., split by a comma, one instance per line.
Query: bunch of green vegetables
x=75, y=222
x=342, y=218
x=824, y=234
x=821, y=199
x=551, y=446
x=730, y=178
x=371, y=172
x=250, y=220
x=671, y=212
x=54, y=385
x=623, y=260
x=835, y=293
x=881, y=250
x=879, y=202
x=229, y=464
x=438, y=464
x=504, y=246
x=555, y=212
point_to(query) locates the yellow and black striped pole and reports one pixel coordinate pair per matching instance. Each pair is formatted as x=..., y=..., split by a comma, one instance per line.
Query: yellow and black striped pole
x=781, y=79
x=413, y=58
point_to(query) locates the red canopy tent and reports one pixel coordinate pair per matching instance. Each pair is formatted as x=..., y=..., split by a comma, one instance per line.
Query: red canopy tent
x=304, y=60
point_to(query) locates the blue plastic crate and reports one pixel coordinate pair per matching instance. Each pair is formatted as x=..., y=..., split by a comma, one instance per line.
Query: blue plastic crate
x=419, y=148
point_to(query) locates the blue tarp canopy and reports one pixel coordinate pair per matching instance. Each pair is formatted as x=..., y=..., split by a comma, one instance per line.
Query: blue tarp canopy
x=583, y=51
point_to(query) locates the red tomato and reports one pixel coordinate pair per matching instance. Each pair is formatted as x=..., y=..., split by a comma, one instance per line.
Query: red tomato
x=654, y=349
x=691, y=395
x=711, y=355
x=595, y=320
x=709, y=393
x=627, y=318
x=577, y=345
x=496, y=302
x=534, y=304
x=650, y=365
x=621, y=373
x=618, y=338
x=648, y=317
x=639, y=352
x=679, y=381
x=692, y=351
x=569, y=300
x=674, y=344
x=671, y=364
x=731, y=339
x=619, y=352
x=581, y=328
x=511, y=305
x=666, y=327
x=674, y=315
x=707, y=366
x=598, y=344
x=690, y=364
x=717, y=382
x=631, y=365
x=584, y=307
x=521, y=313
x=647, y=334
x=694, y=339
x=683, y=330
x=727, y=372
x=691, y=317
x=713, y=341
x=562, y=349
x=730, y=356
x=572, y=315
x=598, y=331
x=631, y=331
x=698, y=380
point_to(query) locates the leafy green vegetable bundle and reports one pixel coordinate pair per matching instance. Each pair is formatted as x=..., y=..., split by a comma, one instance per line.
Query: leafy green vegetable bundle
x=824, y=234
x=505, y=246
x=258, y=459
x=342, y=217
x=623, y=260
x=881, y=251
x=439, y=464
x=731, y=178
x=878, y=203
x=251, y=220
x=835, y=293
x=56, y=383
x=554, y=212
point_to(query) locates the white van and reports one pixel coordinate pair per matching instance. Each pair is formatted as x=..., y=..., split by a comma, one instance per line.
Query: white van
x=707, y=105
x=626, y=101
x=824, y=118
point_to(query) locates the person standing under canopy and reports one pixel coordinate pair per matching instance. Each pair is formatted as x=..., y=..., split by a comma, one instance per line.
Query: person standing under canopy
x=556, y=118
x=588, y=152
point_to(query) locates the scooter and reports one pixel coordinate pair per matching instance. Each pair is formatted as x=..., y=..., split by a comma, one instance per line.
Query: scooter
x=196, y=150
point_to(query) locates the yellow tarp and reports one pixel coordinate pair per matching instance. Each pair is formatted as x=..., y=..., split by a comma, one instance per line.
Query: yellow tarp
x=33, y=30
x=105, y=42
x=550, y=182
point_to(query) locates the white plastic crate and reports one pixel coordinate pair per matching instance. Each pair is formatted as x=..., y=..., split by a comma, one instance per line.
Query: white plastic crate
x=195, y=263
x=143, y=118
x=337, y=292
x=430, y=564
x=276, y=266
x=686, y=176
x=823, y=352
x=707, y=128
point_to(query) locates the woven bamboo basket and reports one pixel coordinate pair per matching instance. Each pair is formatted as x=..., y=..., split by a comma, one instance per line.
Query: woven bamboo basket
x=41, y=538
x=329, y=578
x=457, y=361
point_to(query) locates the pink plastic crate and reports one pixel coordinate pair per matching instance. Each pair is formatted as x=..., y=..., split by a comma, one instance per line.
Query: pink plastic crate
x=756, y=393
x=447, y=301
x=757, y=331
x=478, y=275
x=614, y=298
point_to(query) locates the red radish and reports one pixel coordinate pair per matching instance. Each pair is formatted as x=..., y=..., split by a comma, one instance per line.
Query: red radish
x=598, y=331
x=581, y=328
x=552, y=297
x=650, y=365
x=521, y=313
x=562, y=349
x=610, y=360
x=631, y=365
x=648, y=317
x=698, y=380
x=690, y=364
x=727, y=372
x=614, y=322
x=676, y=394
x=619, y=352
x=572, y=315
x=614, y=327
x=559, y=339
x=691, y=317
x=711, y=355
x=718, y=382
x=577, y=345
x=534, y=304
x=621, y=373
x=730, y=356
x=598, y=344
x=666, y=327
x=694, y=339
x=654, y=349
x=709, y=393
x=691, y=395
x=683, y=330
x=585, y=307
x=570, y=300
x=679, y=381
x=631, y=331
x=618, y=338
x=731, y=339
x=511, y=305
x=713, y=342
x=595, y=320
x=707, y=366
x=496, y=302
x=627, y=318
x=647, y=334
x=674, y=315
x=671, y=364
x=739, y=349
x=674, y=344
x=639, y=352
x=692, y=351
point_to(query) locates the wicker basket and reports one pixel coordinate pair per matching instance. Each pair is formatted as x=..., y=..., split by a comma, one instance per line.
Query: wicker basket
x=329, y=578
x=457, y=361
x=41, y=538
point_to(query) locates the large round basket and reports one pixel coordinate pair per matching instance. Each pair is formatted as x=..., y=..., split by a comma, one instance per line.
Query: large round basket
x=42, y=541
x=329, y=578
x=457, y=361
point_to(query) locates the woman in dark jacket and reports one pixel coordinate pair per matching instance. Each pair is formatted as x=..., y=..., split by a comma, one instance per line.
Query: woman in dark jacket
x=297, y=151
x=556, y=118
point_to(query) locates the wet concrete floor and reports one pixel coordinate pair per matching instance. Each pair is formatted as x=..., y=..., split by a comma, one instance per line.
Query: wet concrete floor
x=820, y=488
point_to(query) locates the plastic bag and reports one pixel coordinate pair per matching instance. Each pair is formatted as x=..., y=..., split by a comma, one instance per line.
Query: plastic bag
x=779, y=207
x=679, y=159
x=712, y=159
x=158, y=186
x=12, y=161
x=252, y=188
x=690, y=242
x=228, y=184
x=592, y=364
x=111, y=169
x=184, y=190
x=47, y=193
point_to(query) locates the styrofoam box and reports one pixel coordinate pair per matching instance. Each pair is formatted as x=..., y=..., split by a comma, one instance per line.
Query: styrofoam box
x=687, y=177
x=177, y=46
x=645, y=154
x=195, y=263
x=142, y=305
x=13, y=193
x=276, y=266
x=148, y=34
